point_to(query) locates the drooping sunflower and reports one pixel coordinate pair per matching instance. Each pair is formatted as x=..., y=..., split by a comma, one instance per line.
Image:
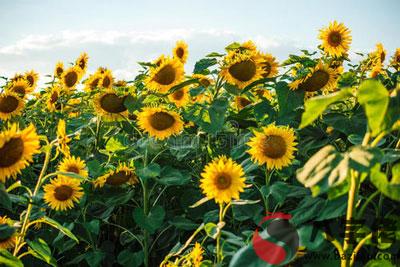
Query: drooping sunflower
x=10, y=105
x=269, y=65
x=32, y=77
x=17, y=148
x=59, y=69
x=241, y=102
x=379, y=54
x=249, y=45
x=181, y=51
x=222, y=179
x=376, y=70
x=241, y=69
x=321, y=78
x=123, y=174
x=73, y=164
x=110, y=106
x=93, y=82
x=20, y=87
x=203, y=80
x=273, y=146
x=9, y=242
x=62, y=192
x=180, y=97
x=395, y=62
x=336, y=39
x=82, y=61
x=107, y=79
x=164, y=77
x=52, y=101
x=63, y=139
x=159, y=122
x=70, y=77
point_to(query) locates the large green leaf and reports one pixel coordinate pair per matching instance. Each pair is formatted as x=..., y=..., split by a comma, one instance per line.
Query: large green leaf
x=4, y=198
x=374, y=97
x=61, y=228
x=329, y=168
x=172, y=176
x=390, y=189
x=8, y=259
x=42, y=251
x=128, y=258
x=314, y=107
x=289, y=102
x=152, y=221
x=6, y=231
x=150, y=171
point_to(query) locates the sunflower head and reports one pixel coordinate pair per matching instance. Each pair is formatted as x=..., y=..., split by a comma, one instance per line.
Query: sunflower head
x=203, y=80
x=74, y=165
x=70, y=77
x=336, y=39
x=17, y=148
x=180, y=97
x=167, y=75
x=62, y=138
x=379, y=54
x=20, y=87
x=222, y=180
x=93, y=82
x=53, y=97
x=123, y=174
x=62, y=192
x=376, y=70
x=273, y=146
x=59, y=69
x=241, y=102
x=181, y=51
x=10, y=105
x=395, y=62
x=110, y=106
x=107, y=79
x=241, y=69
x=159, y=122
x=9, y=242
x=269, y=65
x=248, y=45
x=32, y=77
x=82, y=62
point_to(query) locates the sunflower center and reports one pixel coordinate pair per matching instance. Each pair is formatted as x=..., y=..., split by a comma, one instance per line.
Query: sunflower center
x=223, y=181
x=59, y=71
x=11, y=152
x=73, y=169
x=8, y=104
x=161, y=120
x=180, y=52
x=205, y=82
x=82, y=64
x=335, y=39
x=71, y=78
x=317, y=81
x=244, y=102
x=118, y=178
x=94, y=83
x=383, y=56
x=63, y=192
x=266, y=68
x=30, y=79
x=54, y=97
x=165, y=75
x=19, y=89
x=112, y=103
x=274, y=146
x=177, y=95
x=106, y=81
x=243, y=71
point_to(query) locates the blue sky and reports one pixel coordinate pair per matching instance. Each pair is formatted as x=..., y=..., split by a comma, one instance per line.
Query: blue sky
x=117, y=34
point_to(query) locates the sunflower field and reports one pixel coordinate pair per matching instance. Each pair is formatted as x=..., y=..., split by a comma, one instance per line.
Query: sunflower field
x=179, y=169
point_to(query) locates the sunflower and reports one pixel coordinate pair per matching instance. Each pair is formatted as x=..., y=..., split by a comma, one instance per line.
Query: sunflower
x=53, y=97
x=222, y=179
x=72, y=107
x=63, y=138
x=181, y=51
x=321, y=77
x=62, y=192
x=8, y=242
x=10, y=105
x=196, y=255
x=379, y=54
x=336, y=39
x=93, y=82
x=180, y=97
x=73, y=164
x=249, y=45
x=273, y=146
x=70, y=77
x=241, y=102
x=269, y=65
x=395, y=62
x=121, y=83
x=203, y=80
x=21, y=87
x=110, y=106
x=82, y=62
x=107, y=79
x=122, y=175
x=32, y=77
x=376, y=70
x=164, y=77
x=59, y=69
x=241, y=69
x=160, y=123
x=17, y=148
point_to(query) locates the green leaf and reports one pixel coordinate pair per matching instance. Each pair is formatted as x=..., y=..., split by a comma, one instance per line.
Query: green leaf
x=172, y=176
x=379, y=263
x=114, y=145
x=203, y=64
x=130, y=259
x=289, y=102
x=92, y=226
x=150, y=171
x=61, y=228
x=374, y=97
x=390, y=189
x=4, y=198
x=232, y=89
x=8, y=259
x=132, y=103
x=307, y=209
x=6, y=231
x=314, y=107
x=183, y=223
x=94, y=258
x=41, y=250
x=311, y=237
x=152, y=221
x=333, y=209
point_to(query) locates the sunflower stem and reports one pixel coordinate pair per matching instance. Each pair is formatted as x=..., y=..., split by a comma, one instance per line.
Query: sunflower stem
x=221, y=219
x=267, y=182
